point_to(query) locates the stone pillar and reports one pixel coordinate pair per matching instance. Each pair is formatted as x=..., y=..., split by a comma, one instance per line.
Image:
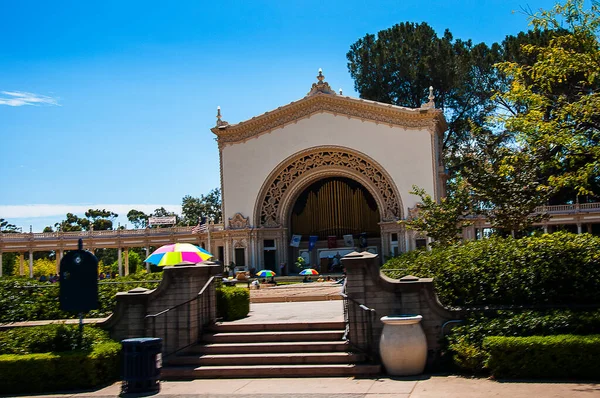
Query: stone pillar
x=545, y=228
x=57, y=261
x=120, y=260
x=147, y=254
x=31, y=263
x=126, y=261
x=579, y=229
x=227, y=254
x=367, y=286
x=21, y=268
x=589, y=228
x=0, y=263
x=179, y=329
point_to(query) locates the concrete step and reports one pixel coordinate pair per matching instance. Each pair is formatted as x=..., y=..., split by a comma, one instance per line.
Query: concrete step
x=263, y=337
x=226, y=327
x=289, y=358
x=267, y=371
x=269, y=347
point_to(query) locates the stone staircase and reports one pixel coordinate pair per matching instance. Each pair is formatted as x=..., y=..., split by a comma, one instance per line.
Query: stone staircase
x=270, y=350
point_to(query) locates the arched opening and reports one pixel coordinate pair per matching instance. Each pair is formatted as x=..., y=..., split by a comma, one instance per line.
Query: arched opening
x=343, y=216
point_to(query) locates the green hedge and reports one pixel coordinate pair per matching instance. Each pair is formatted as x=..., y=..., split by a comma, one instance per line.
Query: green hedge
x=23, y=299
x=558, y=268
x=232, y=303
x=548, y=357
x=50, y=338
x=47, y=372
x=465, y=342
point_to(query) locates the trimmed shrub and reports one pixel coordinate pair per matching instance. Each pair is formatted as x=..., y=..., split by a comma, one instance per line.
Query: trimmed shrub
x=551, y=269
x=23, y=299
x=50, y=338
x=548, y=357
x=232, y=303
x=33, y=373
x=465, y=342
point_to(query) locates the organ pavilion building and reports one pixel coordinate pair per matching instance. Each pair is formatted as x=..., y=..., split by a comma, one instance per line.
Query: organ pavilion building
x=323, y=176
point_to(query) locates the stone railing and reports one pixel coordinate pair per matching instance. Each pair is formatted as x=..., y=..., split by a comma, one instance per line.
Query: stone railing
x=103, y=234
x=573, y=208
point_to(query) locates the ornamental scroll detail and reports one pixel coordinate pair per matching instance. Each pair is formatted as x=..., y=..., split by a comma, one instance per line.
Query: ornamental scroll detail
x=239, y=222
x=269, y=211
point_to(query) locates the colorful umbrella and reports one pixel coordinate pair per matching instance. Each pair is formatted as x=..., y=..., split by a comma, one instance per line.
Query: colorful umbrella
x=265, y=273
x=309, y=271
x=178, y=253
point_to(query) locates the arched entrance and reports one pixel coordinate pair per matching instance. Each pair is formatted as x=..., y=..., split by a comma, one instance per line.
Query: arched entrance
x=340, y=214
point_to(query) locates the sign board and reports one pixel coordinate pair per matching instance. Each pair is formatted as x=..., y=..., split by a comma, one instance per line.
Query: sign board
x=78, y=281
x=172, y=220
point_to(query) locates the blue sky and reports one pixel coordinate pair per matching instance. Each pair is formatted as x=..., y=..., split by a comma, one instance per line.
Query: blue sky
x=109, y=104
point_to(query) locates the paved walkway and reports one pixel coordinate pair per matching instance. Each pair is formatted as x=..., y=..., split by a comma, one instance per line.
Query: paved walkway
x=424, y=387
x=303, y=311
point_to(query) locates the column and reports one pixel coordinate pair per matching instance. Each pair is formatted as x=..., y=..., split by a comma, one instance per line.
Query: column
x=253, y=252
x=545, y=228
x=579, y=230
x=0, y=263
x=126, y=261
x=120, y=260
x=21, y=269
x=589, y=230
x=31, y=263
x=147, y=254
x=227, y=254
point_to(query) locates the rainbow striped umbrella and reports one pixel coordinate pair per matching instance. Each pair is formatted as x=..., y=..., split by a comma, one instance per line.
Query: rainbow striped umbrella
x=177, y=253
x=265, y=273
x=309, y=271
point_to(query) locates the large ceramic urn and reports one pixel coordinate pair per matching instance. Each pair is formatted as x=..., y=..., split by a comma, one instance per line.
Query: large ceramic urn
x=403, y=346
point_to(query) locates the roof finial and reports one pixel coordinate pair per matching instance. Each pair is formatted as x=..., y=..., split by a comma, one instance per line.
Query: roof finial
x=431, y=103
x=320, y=77
x=321, y=86
x=220, y=123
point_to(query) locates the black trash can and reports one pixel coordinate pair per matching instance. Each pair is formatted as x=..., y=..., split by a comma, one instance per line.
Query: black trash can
x=142, y=361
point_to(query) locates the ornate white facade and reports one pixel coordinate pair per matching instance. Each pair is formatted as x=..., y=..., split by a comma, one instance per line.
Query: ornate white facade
x=267, y=161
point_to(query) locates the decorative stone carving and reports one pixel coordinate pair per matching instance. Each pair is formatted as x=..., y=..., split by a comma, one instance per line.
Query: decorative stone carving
x=239, y=222
x=413, y=212
x=431, y=119
x=326, y=158
x=321, y=86
x=237, y=244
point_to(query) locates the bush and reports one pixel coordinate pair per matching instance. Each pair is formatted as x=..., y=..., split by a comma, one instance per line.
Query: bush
x=465, y=341
x=33, y=373
x=23, y=299
x=50, y=338
x=232, y=303
x=559, y=268
x=549, y=357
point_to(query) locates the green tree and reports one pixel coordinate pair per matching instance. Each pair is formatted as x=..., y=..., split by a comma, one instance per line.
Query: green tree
x=557, y=98
x=505, y=182
x=139, y=219
x=206, y=206
x=399, y=64
x=7, y=228
x=443, y=221
x=100, y=220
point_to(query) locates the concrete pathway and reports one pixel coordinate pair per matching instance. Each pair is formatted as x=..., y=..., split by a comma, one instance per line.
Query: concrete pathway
x=423, y=387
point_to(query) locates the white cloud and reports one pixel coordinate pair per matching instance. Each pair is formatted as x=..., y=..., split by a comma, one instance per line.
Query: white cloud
x=42, y=210
x=20, y=98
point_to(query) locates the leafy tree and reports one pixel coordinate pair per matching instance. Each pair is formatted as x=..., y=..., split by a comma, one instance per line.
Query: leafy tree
x=557, y=98
x=399, y=64
x=206, y=206
x=71, y=223
x=139, y=219
x=7, y=228
x=443, y=221
x=505, y=182
x=100, y=220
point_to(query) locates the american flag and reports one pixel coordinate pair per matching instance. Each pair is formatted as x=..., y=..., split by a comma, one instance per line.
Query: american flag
x=201, y=227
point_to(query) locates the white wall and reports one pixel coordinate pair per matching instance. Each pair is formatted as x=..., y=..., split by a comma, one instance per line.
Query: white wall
x=406, y=155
